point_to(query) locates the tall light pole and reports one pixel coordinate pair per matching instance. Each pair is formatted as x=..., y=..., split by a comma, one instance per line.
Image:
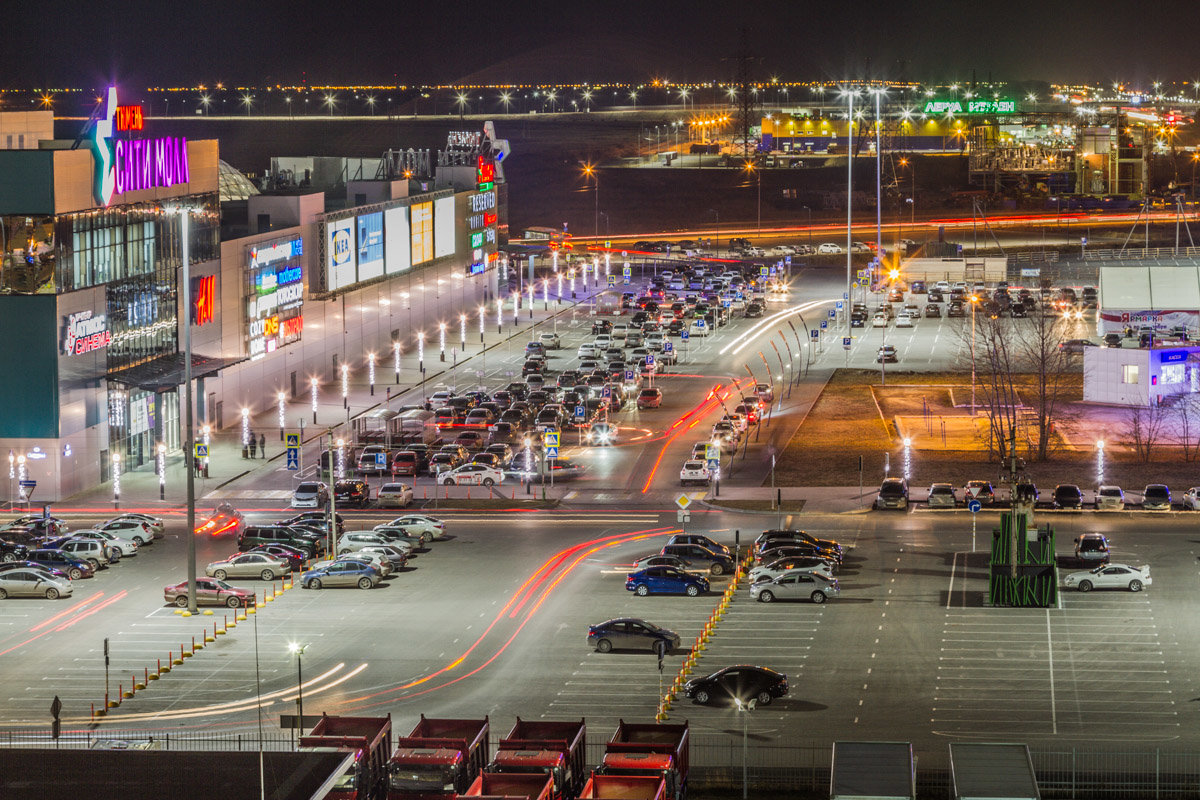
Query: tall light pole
x=189, y=443
x=744, y=708
x=974, y=302
x=298, y=651
x=590, y=172
x=878, y=178
x=849, y=181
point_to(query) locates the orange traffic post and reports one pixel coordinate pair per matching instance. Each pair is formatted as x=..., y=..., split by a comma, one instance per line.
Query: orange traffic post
x=194, y=646
x=183, y=653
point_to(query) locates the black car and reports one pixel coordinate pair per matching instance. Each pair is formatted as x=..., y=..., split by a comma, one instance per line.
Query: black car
x=1067, y=495
x=788, y=549
x=294, y=556
x=858, y=319
x=632, y=634
x=769, y=537
x=532, y=367
x=602, y=326
x=11, y=551
x=935, y=296
x=320, y=518
x=955, y=309
x=738, y=685
x=352, y=493
x=309, y=541
x=754, y=309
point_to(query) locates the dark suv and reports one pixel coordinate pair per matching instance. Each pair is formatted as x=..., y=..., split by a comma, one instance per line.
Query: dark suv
x=893, y=494
x=1091, y=548
x=351, y=493
x=1067, y=495
x=255, y=535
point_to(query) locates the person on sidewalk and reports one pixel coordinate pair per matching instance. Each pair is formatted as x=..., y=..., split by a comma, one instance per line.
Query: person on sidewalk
x=253, y=445
x=262, y=444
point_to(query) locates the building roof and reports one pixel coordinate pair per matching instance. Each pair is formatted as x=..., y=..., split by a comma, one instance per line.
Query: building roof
x=233, y=185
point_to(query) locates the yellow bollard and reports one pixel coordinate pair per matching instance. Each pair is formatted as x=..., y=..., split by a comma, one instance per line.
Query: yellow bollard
x=178, y=611
x=208, y=612
x=186, y=613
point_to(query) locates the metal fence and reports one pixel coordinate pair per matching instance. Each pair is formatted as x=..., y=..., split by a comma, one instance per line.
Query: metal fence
x=798, y=766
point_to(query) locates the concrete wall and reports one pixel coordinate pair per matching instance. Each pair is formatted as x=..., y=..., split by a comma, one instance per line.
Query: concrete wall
x=22, y=130
x=1102, y=370
x=931, y=270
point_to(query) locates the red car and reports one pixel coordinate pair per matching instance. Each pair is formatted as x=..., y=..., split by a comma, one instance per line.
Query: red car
x=225, y=519
x=209, y=592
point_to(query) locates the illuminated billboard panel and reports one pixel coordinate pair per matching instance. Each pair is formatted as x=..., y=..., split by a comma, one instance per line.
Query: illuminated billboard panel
x=443, y=227
x=370, y=246
x=397, y=240
x=340, y=267
x=422, y=233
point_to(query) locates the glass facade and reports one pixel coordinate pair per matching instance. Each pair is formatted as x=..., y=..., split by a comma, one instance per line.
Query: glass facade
x=28, y=255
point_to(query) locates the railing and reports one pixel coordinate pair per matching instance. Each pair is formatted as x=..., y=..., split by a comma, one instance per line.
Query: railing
x=1063, y=771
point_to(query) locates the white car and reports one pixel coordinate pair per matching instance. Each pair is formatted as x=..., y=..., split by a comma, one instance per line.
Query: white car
x=829, y=247
x=417, y=524
x=791, y=564
x=695, y=472
x=395, y=495
x=620, y=330
x=1110, y=576
x=783, y=250
x=353, y=541
x=860, y=247
x=738, y=421
x=310, y=494
x=440, y=398
x=135, y=530
x=1191, y=498
x=942, y=286
x=471, y=475
x=879, y=320
x=700, y=328
x=903, y=320
x=1111, y=498
x=156, y=525
x=550, y=340
x=754, y=252
x=587, y=350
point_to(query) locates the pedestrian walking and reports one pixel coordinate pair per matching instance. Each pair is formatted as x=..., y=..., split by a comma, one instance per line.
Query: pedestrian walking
x=253, y=445
x=262, y=444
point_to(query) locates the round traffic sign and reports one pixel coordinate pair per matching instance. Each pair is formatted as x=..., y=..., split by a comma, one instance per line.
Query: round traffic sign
x=973, y=506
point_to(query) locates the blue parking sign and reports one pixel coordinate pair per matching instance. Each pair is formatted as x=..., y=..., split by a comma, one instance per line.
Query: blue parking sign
x=668, y=347
x=824, y=324
x=649, y=359
x=579, y=412
x=683, y=335
x=629, y=376
x=832, y=314
x=839, y=305
x=788, y=260
x=814, y=333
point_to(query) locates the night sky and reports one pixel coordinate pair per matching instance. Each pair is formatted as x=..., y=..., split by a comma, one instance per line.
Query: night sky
x=56, y=43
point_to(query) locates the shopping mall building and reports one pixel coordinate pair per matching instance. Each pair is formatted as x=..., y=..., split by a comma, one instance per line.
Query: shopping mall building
x=92, y=300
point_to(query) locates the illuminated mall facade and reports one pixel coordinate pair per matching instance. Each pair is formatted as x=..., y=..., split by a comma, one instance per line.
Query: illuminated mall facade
x=92, y=303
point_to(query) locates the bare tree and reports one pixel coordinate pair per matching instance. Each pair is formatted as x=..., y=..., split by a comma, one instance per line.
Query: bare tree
x=1039, y=340
x=1145, y=428
x=996, y=367
x=1187, y=409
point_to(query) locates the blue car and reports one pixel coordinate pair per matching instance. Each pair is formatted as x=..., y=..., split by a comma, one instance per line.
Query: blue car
x=73, y=567
x=341, y=573
x=665, y=580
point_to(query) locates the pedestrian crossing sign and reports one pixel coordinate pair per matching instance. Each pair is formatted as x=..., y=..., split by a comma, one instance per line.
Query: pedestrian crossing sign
x=201, y=450
x=291, y=440
x=550, y=439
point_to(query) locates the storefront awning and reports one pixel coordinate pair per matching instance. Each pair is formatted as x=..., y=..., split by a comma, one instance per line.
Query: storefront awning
x=165, y=373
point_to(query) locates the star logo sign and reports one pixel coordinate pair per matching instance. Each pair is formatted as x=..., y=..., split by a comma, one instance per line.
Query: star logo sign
x=102, y=151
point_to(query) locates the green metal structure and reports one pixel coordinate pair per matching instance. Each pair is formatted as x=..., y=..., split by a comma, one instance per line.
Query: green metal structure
x=1034, y=581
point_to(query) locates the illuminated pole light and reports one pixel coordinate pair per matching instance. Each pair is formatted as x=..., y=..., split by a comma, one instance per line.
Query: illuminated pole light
x=396, y=359
x=162, y=471
x=371, y=372
x=116, y=459
x=341, y=459
x=21, y=476
x=245, y=430
x=345, y=385
x=532, y=286
x=421, y=351
x=206, y=433
x=607, y=264
x=571, y=275
x=462, y=332
x=12, y=474
x=442, y=339
x=315, y=393
x=516, y=298
x=482, y=321
x=555, y=257
x=545, y=294
x=560, y=284
x=281, y=398
x=595, y=269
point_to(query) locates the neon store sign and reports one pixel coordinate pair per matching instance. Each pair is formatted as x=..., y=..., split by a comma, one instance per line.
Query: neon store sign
x=85, y=331
x=127, y=165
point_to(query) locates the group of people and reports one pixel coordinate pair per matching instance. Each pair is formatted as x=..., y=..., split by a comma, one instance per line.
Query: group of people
x=254, y=446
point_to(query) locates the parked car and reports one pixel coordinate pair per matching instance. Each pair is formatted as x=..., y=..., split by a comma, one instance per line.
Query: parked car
x=701, y=540
x=697, y=558
x=665, y=580
x=472, y=475
x=1110, y=576
x=135, y=530
x=341, y=573
x=659, y=560
x=69, y=565
x=310, y=541
x=794, y=585
x=209, y=592
x=776, y=536
x=118, y=547
x=1156, y=497
x=941, y=495
x=248, y=565
x=310, y=494
x=368, y=461
x=782, y=566
x=829, y=248
x=417, y=525
x=893, y=493
x=629, y=633
x=1111, y=498
x=739, y=684
x=352, y=493
x=294, y=556
x=1068, y=496
x=29, y=582
x=93, y=551
x=1091, y=547
x=981, y=491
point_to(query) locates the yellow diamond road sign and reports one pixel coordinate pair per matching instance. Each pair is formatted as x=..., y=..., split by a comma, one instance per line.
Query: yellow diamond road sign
x=683, y=501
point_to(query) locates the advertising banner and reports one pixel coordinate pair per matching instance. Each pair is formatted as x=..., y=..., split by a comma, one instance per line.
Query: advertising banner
x=370, y=246
x=422, y=233
x=397, y=241
x=340, y=267
x=1115, y=321
x=443, y=227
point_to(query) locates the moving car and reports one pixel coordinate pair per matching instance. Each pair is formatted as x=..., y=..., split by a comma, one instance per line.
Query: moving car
x=602, y=433
x=880, y=320
x=739, y=684
x=695, y=472
x=665, y=580
x=1111, y=498
x=209, y=592
x=941, y=495
x=395, y=495
x=649, y=398
x=794, y=585
x=1110, y=576
x=472, y=475
x=886, y=355
x=1156, y=497
x=629, y=633
x=341, y=573
x=31, y=582
x=248, y=565
x=310, y=494
x=904, y=320
x=1091, y=547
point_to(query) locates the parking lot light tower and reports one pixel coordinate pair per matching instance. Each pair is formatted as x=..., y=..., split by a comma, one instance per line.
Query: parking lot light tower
x=974, y=302
x=298, y=651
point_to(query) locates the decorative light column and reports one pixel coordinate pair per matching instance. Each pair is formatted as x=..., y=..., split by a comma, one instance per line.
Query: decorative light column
x=315, y=395
x=396, y=359
x=162, y=471
x=442, y=339
x=371, y=372
x=281, y=400
x=116, y=459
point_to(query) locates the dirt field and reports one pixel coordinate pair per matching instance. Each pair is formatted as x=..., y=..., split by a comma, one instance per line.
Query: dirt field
x=856, y=416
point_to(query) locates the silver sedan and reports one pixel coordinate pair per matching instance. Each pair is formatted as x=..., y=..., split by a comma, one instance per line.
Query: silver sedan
x=248, y=565
x=33, y=583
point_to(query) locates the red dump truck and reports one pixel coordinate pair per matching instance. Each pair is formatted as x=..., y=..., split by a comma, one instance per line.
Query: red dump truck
x=370, y=739
x=656, y=750
x=440, y=758
x=624, y=787
x=556, y=749
x=531, y=787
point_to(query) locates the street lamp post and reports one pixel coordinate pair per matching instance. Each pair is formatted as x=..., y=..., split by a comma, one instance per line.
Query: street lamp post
x=298, y=650
x=974, y=302
x=590, y=172
x=442, y=340
x=745, y=708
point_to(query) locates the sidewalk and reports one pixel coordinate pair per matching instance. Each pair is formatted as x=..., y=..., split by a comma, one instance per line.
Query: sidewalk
x=463, y=368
